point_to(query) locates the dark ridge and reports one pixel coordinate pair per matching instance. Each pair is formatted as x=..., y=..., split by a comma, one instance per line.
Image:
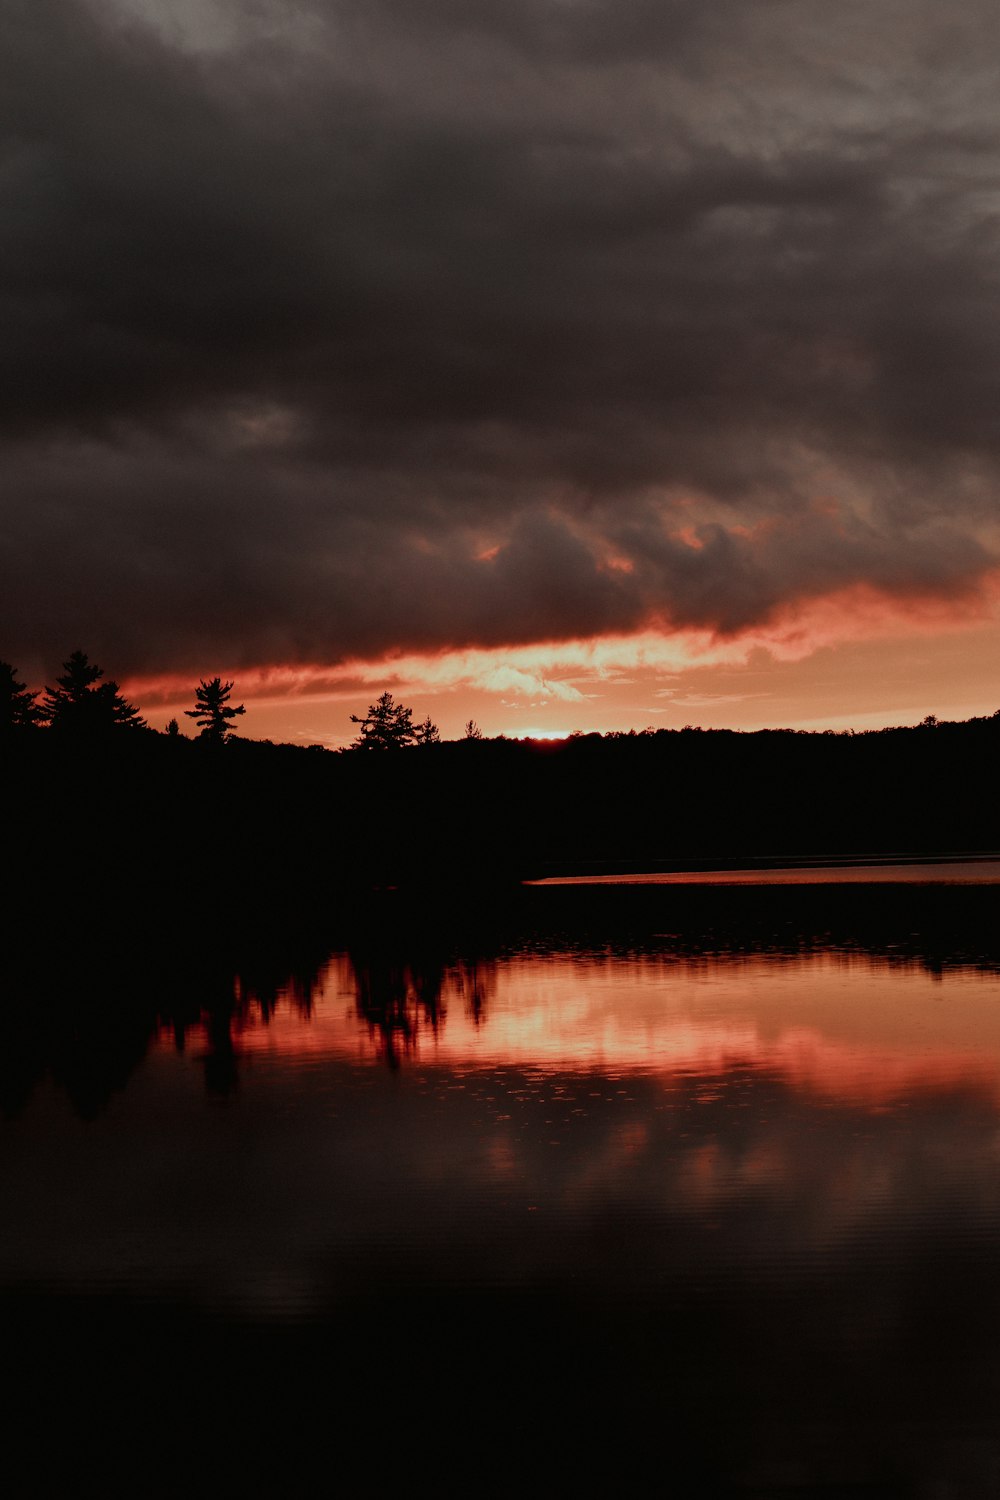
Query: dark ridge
x=166, y=826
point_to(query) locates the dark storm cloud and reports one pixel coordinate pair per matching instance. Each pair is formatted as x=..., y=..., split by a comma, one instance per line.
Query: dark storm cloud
x=339, y=327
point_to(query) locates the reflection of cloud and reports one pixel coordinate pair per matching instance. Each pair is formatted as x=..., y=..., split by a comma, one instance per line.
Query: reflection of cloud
x=716, y=1114
x=850, y=1031
x=879, y=1076
x=615, y=1155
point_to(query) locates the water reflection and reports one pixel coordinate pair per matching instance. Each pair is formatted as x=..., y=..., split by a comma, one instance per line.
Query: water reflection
x=725, y=1178
x=864, y=1001
x=847, y=1026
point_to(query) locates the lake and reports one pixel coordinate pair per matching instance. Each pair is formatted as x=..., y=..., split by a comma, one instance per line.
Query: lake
x=529, y=1197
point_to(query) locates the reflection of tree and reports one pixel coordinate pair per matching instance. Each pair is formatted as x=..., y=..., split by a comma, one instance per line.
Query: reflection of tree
x=401, y=988
x=395, y=997
x=227, y=1003
x=478, y=980
x=221, y=1057
x=87, y=1017
x=266, y=979
x=78, y=1020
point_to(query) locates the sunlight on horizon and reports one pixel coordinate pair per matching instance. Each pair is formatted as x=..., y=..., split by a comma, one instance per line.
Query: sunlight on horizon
x=878, y=669
x=539, y=734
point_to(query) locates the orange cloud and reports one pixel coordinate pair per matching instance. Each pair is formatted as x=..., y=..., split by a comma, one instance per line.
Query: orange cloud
x=561, y=670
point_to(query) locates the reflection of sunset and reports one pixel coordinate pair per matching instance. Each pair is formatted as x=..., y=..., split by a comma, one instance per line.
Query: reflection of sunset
x=839, y=1026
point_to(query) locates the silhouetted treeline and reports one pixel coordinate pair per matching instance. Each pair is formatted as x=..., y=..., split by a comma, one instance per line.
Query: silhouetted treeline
x=248, y=831
x=695, y=797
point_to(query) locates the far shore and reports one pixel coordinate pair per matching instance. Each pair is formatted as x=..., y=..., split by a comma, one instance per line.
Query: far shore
x=965, y=868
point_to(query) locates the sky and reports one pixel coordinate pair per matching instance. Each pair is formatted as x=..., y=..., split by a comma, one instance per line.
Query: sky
x=563, y=364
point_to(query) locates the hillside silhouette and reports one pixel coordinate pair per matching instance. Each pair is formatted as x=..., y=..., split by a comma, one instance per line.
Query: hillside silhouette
x=163, y=823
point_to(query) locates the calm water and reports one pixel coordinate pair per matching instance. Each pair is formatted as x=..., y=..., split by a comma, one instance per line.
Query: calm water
x=982, y=869
x=528, y=1205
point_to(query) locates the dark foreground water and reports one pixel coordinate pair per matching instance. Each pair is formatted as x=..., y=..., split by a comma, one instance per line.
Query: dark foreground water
x=691, y=1189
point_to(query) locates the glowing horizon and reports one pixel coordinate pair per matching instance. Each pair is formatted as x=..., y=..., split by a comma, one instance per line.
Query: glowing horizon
x=857, y=660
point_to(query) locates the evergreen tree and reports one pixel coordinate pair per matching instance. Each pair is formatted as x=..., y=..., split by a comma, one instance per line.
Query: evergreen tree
x=18, y=709
x=81, y=704
x=473, y=731
x=212, y=711
x=388, y=725
x=426, y=733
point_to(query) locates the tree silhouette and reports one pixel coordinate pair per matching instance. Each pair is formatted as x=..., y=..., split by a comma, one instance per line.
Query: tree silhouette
x=18, y=709
x=473, y=731
x=212, y=710
x=388, y=725
x=426, y=733
x=81, y=704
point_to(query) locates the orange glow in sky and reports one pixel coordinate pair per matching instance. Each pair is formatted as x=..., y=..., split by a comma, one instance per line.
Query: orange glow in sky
x=855, y=660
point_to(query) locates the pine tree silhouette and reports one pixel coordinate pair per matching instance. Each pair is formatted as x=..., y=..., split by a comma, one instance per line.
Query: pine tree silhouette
x=18, y=709
x=81, y=704
x=426, y=733
x=388, y=725
x=212, y=711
